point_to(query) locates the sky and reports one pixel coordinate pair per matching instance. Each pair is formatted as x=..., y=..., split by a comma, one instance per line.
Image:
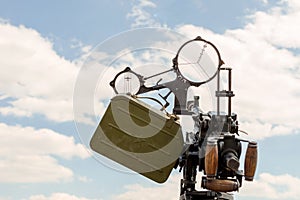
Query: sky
x=46, y=119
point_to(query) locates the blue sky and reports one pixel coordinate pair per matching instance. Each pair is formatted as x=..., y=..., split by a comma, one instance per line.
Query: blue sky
x=44, y=44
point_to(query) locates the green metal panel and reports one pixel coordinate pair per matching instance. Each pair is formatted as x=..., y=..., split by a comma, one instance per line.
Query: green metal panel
x=139, y=137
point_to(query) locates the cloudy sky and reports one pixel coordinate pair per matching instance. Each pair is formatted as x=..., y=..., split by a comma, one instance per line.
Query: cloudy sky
x=44, y=46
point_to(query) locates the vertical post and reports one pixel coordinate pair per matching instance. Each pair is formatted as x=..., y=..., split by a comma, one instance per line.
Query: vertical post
x=229, y=89
x=218, y=91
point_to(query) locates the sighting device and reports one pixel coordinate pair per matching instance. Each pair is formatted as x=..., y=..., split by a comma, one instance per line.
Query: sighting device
x=150, y=141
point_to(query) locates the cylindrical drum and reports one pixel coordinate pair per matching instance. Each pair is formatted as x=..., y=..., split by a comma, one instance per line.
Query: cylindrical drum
x=250, y=161
x=220, y=185
x=211, y=158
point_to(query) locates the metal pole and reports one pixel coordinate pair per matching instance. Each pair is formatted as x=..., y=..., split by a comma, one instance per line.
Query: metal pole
x=229, y=89
x=218, y=91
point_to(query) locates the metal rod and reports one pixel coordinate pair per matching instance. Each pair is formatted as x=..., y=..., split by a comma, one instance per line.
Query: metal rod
x=158, y=74
x=218, y=90
x=229, y=89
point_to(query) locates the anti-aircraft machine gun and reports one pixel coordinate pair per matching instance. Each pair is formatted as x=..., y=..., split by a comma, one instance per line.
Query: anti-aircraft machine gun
x=150, y=142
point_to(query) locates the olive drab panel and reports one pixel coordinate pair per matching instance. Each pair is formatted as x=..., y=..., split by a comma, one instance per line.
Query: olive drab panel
x=139, y=137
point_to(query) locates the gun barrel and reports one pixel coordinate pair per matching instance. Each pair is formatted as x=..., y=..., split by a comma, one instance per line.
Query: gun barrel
x=231, y=161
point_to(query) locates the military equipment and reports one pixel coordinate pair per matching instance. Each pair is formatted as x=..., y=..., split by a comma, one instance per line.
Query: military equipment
x=150, y=141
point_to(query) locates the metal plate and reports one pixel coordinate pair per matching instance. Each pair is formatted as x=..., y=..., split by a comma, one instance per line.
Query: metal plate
x=139, y=137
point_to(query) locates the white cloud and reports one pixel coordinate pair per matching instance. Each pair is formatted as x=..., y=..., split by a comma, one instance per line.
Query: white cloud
x=140, y=16
x=28, y=155
x=259, y=130
x=5, y=198
x=272, y=187
x=77, y=44
x=34, y=79
x=33, y=169
x=279, y=26
x=3, y=21
x=84, y=179
x=58, y=196
x=167, y=191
